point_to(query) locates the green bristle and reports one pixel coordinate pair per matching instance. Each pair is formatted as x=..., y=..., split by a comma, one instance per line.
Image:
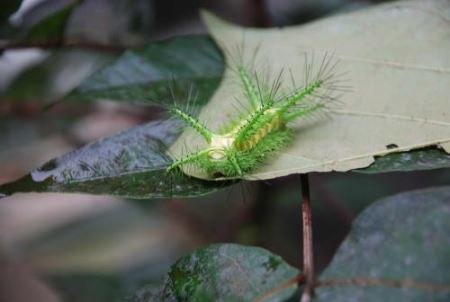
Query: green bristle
x=252, y=122
x=247, y=141
x=194, y=123
x=299, y=96
x=249, y=87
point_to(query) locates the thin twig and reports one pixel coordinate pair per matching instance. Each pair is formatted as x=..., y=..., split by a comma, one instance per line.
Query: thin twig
x=60, y=44
x=308, y=258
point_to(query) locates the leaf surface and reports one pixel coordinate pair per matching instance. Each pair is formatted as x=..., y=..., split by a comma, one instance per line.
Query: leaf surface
x=397, y=250
x=133, y=163
x=397, y=59
x=143, y=75
x=414, y=160
x=130, y=164
x=225, y=272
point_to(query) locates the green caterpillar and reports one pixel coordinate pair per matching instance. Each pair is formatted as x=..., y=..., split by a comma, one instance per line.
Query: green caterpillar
x=245, y=143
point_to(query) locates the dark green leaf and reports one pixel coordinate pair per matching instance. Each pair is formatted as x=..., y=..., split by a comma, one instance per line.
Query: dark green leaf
x=143, y=75
x=138, y=76
x=421, y=159
x=131, y=164
x=402, y=243
x=225, y=272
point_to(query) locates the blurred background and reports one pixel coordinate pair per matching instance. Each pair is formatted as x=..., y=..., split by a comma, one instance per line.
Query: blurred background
x=74, y=247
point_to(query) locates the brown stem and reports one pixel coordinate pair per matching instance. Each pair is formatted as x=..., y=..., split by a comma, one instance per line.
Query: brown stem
x=308, y=258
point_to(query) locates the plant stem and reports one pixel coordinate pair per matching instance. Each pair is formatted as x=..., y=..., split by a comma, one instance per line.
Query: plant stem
x=308, y=258
x=60, y=44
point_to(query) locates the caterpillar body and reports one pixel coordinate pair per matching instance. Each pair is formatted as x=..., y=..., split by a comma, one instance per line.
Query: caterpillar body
x=243, y=144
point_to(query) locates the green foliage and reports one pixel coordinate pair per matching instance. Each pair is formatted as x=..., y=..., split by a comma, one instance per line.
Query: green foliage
x=224, y=272
x=414, y=160
x=143, y=75
x=401, y=240
x=130, y=164
x=384, y=258
x=146, y=83
x=397, y=249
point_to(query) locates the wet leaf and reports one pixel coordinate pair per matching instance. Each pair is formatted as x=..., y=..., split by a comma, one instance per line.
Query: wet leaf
x=105, y=167
x=421, y=159
x=399, y=247
x=130, y=164
x=225, y=272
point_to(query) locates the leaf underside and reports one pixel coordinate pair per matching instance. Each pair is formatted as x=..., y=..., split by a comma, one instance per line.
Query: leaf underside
x=386, y=107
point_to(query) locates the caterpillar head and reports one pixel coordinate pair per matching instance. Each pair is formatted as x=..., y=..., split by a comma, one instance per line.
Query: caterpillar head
x=222, y=156
x=219, y=146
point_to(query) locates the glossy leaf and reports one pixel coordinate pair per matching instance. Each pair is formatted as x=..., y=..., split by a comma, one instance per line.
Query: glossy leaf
x=414, y=160
x=103, y=167
x=130, y=164
x=225, y=272
x=398, y=250
x=144, y=75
